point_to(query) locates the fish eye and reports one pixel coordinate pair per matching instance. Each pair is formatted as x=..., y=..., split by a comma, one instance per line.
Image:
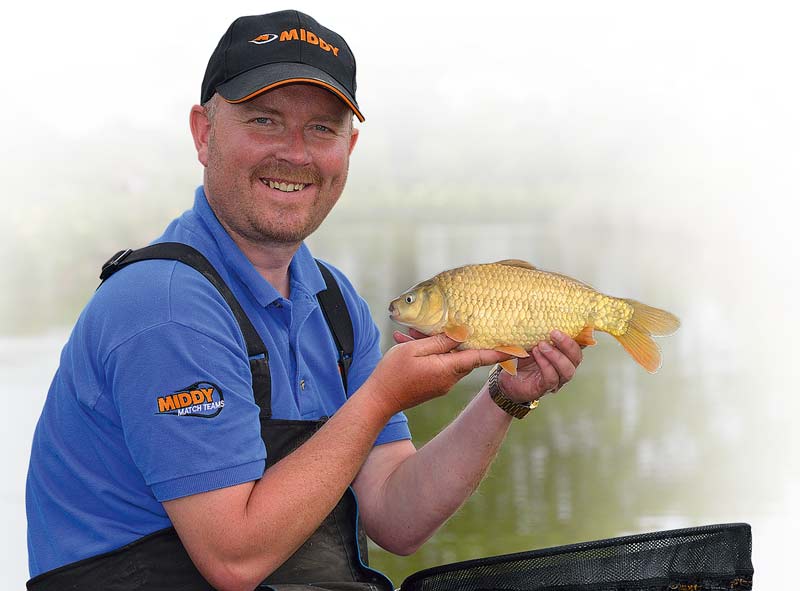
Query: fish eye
x=410, y=298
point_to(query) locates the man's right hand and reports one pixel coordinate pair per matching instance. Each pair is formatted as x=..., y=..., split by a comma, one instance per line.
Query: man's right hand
x=419, y=369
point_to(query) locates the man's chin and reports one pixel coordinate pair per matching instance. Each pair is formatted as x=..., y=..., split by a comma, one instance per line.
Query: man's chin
x=284, y=234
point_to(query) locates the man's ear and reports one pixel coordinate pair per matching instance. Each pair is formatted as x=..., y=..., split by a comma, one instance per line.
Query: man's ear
x=353, y=138
x=200, y=125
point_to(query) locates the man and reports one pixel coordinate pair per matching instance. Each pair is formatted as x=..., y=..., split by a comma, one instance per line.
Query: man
x=148, y=463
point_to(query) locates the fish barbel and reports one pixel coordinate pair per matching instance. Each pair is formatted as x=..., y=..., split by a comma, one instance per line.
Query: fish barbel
x=510, y=306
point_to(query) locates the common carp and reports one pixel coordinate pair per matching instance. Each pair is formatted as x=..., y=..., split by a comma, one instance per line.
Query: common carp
x=510, y=306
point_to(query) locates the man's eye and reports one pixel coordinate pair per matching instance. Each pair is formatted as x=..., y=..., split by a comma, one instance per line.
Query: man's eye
x=322, y=128
x=262, y=120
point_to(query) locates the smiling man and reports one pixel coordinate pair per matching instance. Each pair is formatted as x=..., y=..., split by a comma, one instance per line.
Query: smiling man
x=275, y=167
x=207, y=427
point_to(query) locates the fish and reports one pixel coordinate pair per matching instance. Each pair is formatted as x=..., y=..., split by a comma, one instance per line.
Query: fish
x=510, y=306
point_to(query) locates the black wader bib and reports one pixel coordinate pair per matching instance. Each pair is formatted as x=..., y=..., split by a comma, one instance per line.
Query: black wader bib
x=334, y=557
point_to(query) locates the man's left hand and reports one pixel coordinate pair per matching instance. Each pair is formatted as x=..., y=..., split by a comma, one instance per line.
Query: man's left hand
x=547, y=369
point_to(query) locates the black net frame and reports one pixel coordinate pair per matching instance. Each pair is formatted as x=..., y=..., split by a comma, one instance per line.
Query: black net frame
x=711, y=557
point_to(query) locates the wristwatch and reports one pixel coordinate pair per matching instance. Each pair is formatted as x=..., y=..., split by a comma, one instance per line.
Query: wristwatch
x=515, y=409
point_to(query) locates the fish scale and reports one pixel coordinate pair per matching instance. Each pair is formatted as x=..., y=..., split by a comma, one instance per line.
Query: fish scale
x=523, y=306
x=511, y=306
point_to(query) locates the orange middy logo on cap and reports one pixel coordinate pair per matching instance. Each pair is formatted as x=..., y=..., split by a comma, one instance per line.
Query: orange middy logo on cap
x=297, y=35
x=265, y=38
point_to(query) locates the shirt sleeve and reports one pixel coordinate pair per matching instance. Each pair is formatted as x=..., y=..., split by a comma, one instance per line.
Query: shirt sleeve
x=183, y=394
x=187, y=411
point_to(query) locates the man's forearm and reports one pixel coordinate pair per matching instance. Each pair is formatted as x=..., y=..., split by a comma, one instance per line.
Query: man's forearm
x=426, y=488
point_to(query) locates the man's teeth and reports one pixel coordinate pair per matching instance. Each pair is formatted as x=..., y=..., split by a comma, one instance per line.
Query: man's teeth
x=286, y=187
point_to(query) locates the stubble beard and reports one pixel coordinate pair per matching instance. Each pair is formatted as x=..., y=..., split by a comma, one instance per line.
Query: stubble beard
x=252, y=220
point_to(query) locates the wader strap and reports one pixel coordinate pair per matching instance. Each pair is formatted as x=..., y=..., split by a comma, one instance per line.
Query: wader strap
x=256, y=350
x=331, y=302
x=338, y=318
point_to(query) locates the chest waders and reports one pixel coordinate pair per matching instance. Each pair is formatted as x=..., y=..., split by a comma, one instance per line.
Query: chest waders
x=334, y=557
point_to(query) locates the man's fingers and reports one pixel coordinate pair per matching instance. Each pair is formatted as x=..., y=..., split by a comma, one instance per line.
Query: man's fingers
x=564, y=367
x=550, y=379
x=434, y=345
x=568, y=347
x=400, y=337
x=464, y=362
x=461, y=362
x=413, y=335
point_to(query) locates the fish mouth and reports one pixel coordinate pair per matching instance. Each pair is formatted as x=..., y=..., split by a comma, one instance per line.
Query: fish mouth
x=393, y=312
x=282, y=185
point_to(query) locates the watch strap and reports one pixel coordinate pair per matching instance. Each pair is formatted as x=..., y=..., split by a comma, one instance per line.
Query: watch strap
x=516, y=409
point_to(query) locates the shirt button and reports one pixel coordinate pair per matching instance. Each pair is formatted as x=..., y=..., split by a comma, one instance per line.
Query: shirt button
x=302, y=384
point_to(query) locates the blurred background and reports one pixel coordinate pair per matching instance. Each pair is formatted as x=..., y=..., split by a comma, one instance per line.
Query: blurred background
x=649, y=149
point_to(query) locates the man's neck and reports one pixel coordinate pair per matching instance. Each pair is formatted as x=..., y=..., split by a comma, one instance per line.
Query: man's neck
x=271, y=259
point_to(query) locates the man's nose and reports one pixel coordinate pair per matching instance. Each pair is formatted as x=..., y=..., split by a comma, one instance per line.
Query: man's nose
x=293, y=148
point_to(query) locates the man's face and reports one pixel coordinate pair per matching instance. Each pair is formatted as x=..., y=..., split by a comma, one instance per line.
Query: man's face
x=277, y=164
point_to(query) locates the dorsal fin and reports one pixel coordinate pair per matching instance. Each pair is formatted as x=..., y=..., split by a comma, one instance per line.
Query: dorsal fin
x=516, y=263
x=527, y=265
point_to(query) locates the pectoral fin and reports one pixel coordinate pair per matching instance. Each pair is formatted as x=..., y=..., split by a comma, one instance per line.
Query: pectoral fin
x=510, y=366
x=514, y=350
x=457, y=333
x=586, y=337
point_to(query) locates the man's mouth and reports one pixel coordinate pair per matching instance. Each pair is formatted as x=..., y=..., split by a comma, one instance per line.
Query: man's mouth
x=286, y=187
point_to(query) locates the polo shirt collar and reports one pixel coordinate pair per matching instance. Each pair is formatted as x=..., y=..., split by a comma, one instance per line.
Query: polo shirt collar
x=304, y=272
x=304, y=275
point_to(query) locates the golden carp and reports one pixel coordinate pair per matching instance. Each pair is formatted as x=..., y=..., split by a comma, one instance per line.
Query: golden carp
x=510, y=306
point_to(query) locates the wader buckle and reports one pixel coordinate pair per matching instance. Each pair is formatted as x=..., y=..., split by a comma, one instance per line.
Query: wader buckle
x=111, y=264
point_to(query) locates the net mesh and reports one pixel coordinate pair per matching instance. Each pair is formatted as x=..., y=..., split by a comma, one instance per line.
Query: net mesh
x=712, y=557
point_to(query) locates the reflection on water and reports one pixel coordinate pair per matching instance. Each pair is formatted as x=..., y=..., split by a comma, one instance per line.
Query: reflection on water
x=583, y=466
x=617, y=451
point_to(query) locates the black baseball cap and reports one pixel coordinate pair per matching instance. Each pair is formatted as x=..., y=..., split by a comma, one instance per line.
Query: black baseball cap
x=259, y=53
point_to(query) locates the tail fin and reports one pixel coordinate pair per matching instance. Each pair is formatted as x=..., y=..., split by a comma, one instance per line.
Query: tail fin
x=645, y=323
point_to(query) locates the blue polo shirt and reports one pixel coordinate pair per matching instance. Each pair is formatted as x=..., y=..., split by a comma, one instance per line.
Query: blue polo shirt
x=153, y=399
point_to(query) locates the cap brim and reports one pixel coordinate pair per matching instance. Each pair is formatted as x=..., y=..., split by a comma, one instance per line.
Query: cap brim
x=258, y=80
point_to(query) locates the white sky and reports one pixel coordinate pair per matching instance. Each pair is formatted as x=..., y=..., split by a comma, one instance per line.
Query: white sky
x=69, y=66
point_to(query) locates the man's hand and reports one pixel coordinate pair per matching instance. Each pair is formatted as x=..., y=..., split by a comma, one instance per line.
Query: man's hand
x=419, y=369
x=546, y=370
